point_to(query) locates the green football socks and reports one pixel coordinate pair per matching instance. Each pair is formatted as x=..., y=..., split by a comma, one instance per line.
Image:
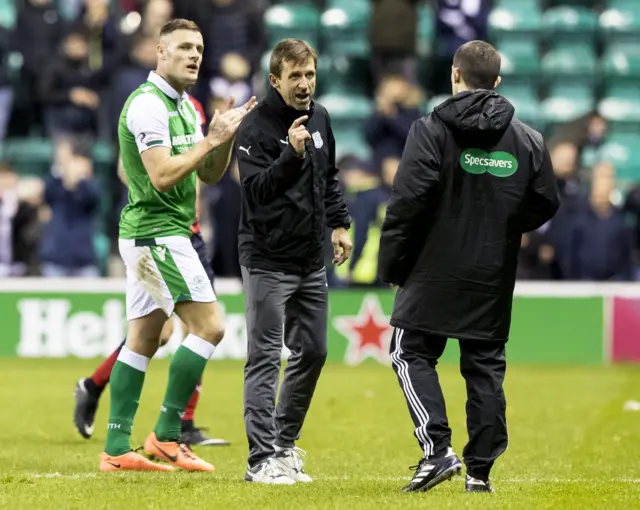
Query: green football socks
x=187, y=365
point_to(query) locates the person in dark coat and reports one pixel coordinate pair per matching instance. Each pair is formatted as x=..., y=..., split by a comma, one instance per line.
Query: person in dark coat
x=472, y=180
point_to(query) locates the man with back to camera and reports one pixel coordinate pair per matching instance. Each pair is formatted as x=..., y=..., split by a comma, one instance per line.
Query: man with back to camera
x=472, y=180
x=290, y=194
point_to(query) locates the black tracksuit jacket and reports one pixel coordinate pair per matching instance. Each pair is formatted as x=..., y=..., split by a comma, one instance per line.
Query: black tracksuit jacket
x=287, y=201
x=471, y=181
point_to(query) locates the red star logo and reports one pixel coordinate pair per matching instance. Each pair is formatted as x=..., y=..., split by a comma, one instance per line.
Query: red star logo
x=369, y=332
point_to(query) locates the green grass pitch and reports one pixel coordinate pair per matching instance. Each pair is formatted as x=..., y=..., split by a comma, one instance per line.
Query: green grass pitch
x=571, y=443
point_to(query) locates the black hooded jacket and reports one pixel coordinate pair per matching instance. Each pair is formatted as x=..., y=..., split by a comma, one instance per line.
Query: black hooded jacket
x=286, y=201
x=471, y=181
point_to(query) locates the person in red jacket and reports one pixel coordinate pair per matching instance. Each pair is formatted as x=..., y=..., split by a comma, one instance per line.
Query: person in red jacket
x=88, y=390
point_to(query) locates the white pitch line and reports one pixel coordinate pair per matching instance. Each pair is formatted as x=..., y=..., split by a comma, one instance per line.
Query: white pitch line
x=633, y=481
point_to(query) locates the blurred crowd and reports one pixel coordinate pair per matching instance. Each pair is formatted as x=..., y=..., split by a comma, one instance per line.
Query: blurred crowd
x=81, y=59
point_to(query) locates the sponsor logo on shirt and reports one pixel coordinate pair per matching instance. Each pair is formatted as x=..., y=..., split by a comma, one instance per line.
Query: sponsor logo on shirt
x=499, y=163
x=183, y=140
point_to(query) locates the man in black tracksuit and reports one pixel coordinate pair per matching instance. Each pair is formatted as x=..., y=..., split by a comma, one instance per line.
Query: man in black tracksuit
x=290, y=194
x=472, y=180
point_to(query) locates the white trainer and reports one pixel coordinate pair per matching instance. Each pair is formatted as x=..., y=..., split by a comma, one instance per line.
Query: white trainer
x=268, y=471
x=291, y=461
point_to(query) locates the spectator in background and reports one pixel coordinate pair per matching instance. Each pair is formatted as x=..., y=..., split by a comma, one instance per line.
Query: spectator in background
x=154, y=15
x=224, y=212
x=586, y=132
x=106, y=45
x=457, y=22
x=631, y=208
x=19, y=223
x=67, y=247
x=396, y=109
x=535, y=256
x=38, y=33
x=601, y=247
x=564, y=158
x=393, y=36
x=228, y=26
x=6, y=90
x=233, y=80
x=69, y=89
x=367, y=198
x=131, y=75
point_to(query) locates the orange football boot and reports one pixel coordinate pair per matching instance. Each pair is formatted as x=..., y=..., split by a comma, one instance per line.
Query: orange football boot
x=130, y=461
x=176, y=454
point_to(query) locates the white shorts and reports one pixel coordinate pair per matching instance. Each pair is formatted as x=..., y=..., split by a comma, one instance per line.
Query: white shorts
x=162, y=272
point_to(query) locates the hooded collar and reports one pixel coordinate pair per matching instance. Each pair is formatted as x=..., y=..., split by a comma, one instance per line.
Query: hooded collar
x=166, y=89
x=287, y=113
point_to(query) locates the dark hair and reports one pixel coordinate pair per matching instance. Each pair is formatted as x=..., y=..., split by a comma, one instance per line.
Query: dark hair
x=479, y=64
x=291, y=50
x=178, y=24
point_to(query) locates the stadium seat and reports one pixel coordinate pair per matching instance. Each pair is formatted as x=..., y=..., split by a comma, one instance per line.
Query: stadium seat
x=621, y=64
x=520, y=62
x=435, y=101
x=29, y=156
x=570, y=23
x=525, y=101
x=8, y=14
x=426, y=30
x=567, y=63
x=621, y=108
x=622, y=151
x=514, y=22
x=565, y=103
x=348, y=112
x=621, y=21
x=346, y=75
x=351, y=142
x=345, y=27
x=290, y=19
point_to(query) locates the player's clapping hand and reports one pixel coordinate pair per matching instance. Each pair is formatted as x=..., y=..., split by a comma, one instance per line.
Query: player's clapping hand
x=224, y=125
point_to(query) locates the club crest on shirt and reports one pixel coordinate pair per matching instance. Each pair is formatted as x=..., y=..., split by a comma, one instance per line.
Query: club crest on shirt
x=317, y=139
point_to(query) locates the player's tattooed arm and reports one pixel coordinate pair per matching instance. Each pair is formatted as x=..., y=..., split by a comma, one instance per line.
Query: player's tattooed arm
x=222, y=130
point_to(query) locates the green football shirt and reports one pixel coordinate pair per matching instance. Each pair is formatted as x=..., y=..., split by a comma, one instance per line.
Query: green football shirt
x=155, y=115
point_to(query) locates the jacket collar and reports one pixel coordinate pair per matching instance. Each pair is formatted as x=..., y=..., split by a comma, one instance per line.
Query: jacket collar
x=287, y=113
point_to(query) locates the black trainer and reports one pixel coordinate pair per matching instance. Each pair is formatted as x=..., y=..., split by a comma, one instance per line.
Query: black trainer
x=84, y=411
x=194, y=436
x=476, y=485
x=431, y=472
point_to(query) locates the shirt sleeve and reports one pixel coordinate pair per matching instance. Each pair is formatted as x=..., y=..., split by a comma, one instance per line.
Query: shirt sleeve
x=148, y=121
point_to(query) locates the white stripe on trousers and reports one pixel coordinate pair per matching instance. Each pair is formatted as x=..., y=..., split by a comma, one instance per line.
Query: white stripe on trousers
x=416, y=406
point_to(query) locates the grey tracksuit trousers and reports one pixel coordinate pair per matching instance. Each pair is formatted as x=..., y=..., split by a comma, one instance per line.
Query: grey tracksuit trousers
x=300, y=303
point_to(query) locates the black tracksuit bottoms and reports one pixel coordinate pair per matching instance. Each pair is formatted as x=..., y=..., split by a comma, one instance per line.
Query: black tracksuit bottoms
x=414, y=356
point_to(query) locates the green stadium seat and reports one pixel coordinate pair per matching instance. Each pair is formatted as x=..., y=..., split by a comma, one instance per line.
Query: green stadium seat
x=426, y=30
x=299, y=21
x=520, y=61
x=517, y=21
x=8, y=13
x=622, y=151
x=621, y=22
x=524, y=99
x=507, y=4
x=345, y=75
x=345, y=27
x=348, y=112
x=568, y=63
x=565, y=103
x=621, y=108
x=621, y=63
x=570, y=23
x=29, y=156
x=351, y=142
x=435, y=101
